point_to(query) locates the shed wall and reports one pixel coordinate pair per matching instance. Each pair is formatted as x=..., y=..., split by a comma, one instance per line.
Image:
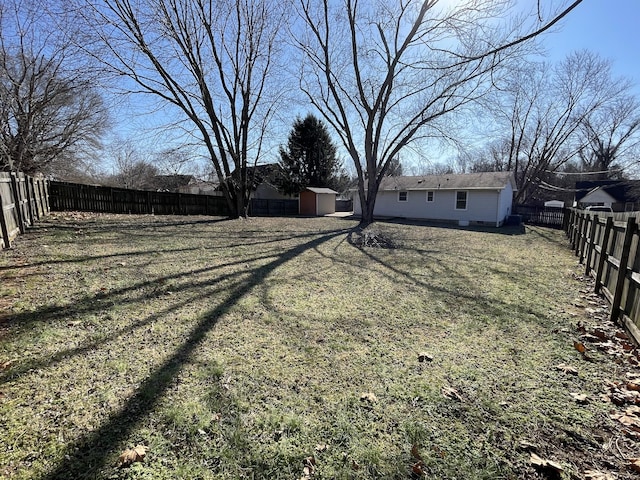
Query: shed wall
x=326, y=203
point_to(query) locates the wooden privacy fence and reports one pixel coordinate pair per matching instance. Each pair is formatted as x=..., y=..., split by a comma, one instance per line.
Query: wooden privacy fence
x=607, y=244
x=23, y=200
x=550, y=217
x=92, y=198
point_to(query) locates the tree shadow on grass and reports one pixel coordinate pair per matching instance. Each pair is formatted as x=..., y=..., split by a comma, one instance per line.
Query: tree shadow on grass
x=89, y=454
x=504, y=230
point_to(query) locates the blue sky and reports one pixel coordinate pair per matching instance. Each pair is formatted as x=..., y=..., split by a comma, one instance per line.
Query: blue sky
x=610, y=28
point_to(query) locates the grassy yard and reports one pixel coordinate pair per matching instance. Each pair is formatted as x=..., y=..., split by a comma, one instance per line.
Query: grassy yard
x=273, y=348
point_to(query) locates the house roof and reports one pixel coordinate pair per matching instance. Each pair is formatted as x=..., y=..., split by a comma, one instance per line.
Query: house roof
x=321, y=190
x=620, y=190
x=467, y=181
x=172, y=182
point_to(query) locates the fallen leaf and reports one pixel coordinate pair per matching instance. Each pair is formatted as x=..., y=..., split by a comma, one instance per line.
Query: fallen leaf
x=415, y=453
x=579, y=346
x=524, y=445
x=545, y=463
x=132, y=455
x=627, y=346
x=579, y=397
x=418, y=469
x=596, y=475
x=368, y=397
x=7, y=364
x=355, y=465
x=309, y=467
x=633, y=410
x=425, y=357
x=621, y=335
x=451, y=393
x=629, y=420
x=537, y=461
x=567, y=369
x=634, y=464
x=633, y=386
x=321, y=447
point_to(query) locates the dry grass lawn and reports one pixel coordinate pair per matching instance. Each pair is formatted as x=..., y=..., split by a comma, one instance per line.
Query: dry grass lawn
x=273, y=348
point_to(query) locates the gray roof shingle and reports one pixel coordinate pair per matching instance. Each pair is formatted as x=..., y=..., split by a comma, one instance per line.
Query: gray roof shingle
x=467, y=181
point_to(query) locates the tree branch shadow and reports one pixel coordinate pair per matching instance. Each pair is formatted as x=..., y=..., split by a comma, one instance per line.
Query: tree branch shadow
x=88, y=455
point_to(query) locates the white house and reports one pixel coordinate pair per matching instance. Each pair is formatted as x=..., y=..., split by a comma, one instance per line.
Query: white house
x=474, y=198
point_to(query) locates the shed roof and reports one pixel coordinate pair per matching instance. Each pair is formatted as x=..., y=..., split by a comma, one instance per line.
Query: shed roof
x=321, y=190
x=467, y=181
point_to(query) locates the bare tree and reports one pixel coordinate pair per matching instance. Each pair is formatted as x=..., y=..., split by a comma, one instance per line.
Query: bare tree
x=131, y=167
x=50, y=114
x=210, y=59
x=611, y=135
x=543, y=108
x=384, y=73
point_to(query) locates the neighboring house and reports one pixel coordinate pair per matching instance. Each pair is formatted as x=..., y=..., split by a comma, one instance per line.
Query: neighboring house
x=620, y=195
x=265, y=181
x=172, y=183
x=474, y=198
x=201, y=187
x=317, y=201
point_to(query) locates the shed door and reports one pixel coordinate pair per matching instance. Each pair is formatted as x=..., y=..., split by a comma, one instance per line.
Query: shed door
x=307, y=203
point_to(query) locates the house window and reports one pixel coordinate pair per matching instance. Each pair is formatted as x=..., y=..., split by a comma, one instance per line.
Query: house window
x=430, y=196
x=461, y=200
x=402, y=196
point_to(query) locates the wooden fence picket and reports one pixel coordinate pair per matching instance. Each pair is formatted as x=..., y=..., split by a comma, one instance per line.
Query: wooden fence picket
x=23, y=201
x=610, y=250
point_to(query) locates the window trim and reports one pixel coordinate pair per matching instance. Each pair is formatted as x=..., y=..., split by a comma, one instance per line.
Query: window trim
x=406, y=196
x=433, y=196
x=466, y=199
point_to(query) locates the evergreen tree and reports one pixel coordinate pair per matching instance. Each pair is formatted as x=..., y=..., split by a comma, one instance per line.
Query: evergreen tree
x=309, y=159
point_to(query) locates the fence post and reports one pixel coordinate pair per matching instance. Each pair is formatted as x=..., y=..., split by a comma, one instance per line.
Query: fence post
x=604, y=253
x=576, y=241
x=622, y=270
x=574, y=229
x=590, y=245
x=3, y=226
x=30, y=198
x=16, y=200
x=583, y=238
x=45, y=191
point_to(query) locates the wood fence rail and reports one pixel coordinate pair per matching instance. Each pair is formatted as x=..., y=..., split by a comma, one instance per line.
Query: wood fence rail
x=23, y=201
x=608, y=246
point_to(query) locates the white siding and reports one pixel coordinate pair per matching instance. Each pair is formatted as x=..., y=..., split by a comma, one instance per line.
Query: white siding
x=598, y=196
x=326, y=203
x=504, y=207
x=487, y=206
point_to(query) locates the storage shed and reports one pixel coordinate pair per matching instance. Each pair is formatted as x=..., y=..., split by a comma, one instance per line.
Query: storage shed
x=317, y=201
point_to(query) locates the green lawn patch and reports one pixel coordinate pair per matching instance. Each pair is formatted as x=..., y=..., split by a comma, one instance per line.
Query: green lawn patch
x=240, y=349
